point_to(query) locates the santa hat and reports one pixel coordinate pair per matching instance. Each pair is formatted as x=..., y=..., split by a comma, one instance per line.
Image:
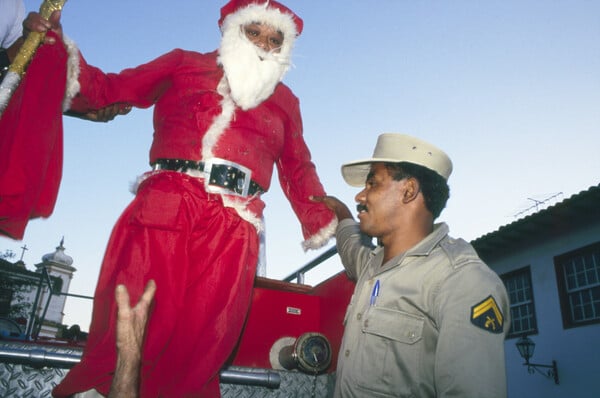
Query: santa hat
x=238, y=13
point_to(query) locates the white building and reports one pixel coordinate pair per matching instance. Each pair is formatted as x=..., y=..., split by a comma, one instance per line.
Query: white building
x=550, y=263
x=59, y=265
x=21, y=286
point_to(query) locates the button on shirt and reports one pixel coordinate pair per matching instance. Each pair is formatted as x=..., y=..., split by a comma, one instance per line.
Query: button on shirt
x=421, y=335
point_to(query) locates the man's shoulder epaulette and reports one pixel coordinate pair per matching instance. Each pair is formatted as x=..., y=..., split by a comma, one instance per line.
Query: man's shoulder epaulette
x=459, y=252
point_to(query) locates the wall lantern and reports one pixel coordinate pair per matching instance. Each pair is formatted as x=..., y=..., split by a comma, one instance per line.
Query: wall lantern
x=526, y=346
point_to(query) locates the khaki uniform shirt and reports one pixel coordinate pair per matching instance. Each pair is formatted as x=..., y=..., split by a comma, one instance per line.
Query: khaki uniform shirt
x=430, y=322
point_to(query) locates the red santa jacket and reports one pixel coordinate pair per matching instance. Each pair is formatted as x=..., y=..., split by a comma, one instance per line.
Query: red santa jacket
x=182, y=86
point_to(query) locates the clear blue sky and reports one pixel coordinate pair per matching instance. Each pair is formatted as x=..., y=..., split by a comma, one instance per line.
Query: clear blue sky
x=510, y=89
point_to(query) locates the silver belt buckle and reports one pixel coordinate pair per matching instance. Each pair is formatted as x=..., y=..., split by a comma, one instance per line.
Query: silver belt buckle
x=213, y=165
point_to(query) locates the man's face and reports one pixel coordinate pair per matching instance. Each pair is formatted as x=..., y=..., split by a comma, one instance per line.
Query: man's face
x=264, y=37
x=380, y=203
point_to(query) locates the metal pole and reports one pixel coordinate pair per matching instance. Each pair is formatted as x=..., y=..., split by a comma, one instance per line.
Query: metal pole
x=34, y=310
x=39, y=328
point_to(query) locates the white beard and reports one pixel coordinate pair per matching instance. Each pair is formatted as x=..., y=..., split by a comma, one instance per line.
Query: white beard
x=252, y=73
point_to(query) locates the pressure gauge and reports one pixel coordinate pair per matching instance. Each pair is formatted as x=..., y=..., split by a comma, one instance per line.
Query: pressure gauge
x=309, y=353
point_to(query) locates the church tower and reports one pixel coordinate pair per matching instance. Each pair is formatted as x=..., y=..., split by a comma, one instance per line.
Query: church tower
x=59, y=267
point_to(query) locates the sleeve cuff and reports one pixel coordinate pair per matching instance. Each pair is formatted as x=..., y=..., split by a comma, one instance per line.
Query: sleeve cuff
x=321, y=238
x=73, y=86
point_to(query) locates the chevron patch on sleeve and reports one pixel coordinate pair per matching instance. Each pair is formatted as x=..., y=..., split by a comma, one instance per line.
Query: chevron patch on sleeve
x=487, y=316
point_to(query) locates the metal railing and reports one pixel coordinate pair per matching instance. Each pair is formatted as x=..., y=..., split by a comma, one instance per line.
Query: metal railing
x=298, y=275
x=30, y=333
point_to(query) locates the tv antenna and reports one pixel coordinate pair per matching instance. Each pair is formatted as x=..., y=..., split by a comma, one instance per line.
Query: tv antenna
x=536, y=204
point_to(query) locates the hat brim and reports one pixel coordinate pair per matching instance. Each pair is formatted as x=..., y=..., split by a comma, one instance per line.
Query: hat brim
x=355, y=173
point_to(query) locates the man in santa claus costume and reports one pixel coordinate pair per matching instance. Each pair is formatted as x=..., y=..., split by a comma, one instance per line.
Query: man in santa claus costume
x=222, y=121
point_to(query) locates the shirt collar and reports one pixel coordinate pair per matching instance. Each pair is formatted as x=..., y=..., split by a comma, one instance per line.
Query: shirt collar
x=423, y=248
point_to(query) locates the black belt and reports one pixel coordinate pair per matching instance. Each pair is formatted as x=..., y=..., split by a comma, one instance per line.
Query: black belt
x=223, y=174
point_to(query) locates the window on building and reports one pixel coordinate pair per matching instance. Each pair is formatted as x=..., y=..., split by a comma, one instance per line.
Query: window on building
x=522, y=309
x=578, y=277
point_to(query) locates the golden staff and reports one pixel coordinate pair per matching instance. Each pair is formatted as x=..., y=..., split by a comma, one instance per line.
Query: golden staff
x=17, y=67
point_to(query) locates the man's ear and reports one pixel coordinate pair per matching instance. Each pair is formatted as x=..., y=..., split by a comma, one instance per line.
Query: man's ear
x=411, y=190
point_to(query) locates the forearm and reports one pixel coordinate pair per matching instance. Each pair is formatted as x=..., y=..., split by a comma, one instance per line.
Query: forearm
x=140, y=86
x=299, y=182
x=131, y=325
x=354, y=248
x=126, y=380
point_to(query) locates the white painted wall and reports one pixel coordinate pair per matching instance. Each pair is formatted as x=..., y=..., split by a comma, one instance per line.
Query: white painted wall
x=576, y=350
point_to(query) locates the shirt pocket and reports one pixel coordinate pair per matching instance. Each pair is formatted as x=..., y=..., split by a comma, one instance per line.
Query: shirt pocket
x=391, y=352
x=398, y=326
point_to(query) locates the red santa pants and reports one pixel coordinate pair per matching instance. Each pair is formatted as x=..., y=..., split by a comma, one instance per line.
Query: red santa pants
x=203, y=257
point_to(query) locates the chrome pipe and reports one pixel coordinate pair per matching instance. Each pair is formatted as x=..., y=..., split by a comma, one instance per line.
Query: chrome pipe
x=39, y=358
x=254, y=377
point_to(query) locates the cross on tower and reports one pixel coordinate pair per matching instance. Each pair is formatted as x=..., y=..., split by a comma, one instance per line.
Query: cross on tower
x=24, y=247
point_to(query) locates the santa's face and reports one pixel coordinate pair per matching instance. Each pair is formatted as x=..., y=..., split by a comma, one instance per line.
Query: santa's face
x=264, y=37
x=254, y=62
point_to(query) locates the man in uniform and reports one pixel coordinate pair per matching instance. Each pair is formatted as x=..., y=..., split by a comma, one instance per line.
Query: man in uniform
x=428, y=318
